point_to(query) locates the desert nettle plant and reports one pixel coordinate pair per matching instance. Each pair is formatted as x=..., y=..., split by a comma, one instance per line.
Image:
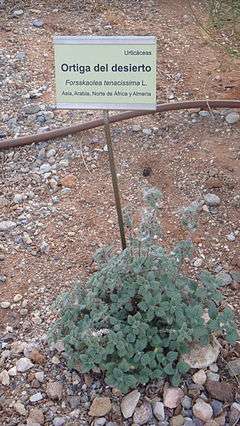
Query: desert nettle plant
x=139, y=313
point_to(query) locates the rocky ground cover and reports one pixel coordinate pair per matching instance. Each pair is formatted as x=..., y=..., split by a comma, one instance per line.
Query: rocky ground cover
x=57, y=208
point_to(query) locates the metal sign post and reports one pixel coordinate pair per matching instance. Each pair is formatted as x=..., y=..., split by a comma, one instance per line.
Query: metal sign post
x=114, y=177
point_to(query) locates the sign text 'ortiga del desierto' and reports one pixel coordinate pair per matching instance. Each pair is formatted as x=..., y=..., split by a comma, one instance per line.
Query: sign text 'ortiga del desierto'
x=105, y=72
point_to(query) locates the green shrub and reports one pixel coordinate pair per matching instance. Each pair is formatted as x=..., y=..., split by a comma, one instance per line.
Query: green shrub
x=138, y=313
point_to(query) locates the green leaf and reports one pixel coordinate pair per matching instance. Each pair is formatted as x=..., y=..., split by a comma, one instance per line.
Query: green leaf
x=183, y=367
x=175, y=379
x=172, y=356
x=169, y=370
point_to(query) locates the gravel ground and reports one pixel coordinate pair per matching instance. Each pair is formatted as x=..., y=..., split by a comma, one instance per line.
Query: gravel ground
x=57, y=207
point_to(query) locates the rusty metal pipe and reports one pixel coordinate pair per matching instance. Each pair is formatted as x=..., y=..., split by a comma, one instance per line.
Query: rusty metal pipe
x=59, y=133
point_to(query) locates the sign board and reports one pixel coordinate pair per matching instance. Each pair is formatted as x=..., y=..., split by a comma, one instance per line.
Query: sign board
x=105, y=72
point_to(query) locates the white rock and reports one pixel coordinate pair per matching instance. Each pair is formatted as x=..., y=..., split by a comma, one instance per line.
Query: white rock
x=23, y=365
x=51, y=153
x=63, y=163
x=213, y=376
x=129, y=403
x=231, y=236
x=36, y=397
x=59, y=346
x=20, y=409
x=19, y=198
x=136, y=128
x=212, y=200
x=213, y=367
x=147, y=132
x=198, y=262
x=202, y=356
x=101, y=421
x=45, y=168
x=55, y=360
x=17, y=298
x=202, y=410
x=59, y=421
x=7, y=225
x=199, y=377
x=17, y=13
x=4, y=378
x=5, y=305
x=12, y=371
x=18, y=347
x=40, y=376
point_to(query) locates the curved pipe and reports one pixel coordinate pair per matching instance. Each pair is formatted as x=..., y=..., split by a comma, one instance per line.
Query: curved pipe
x=59, y=133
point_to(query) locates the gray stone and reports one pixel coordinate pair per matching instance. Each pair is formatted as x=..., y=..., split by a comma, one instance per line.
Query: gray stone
x=23, y=365
x=7, y=225
x=3, y=279
x=59, y=421
x=3, y=201
x=3, y=134
x=4, y=378
x=187, y=402
x=217, y=407
x=136, y=128
x=38, y=23
x=213, y=367
x=235, y=276
x=158, y=410
x=20, y=56
x=129, y=403
x=54, y=390
x=234, y=367
x=31, y=109
x=213, y=376
x=188, y=422
x=236, y=201
x=45, y=168
x=232, y=118
x=51, y=153
x=74, y=402
x=101, y=421
x=63, y=163
x=143, y=414
x=40, y=376
x=204, y=113
x=212, y=200
x=224, y=278
x=234, y=415
x=19, y=198
x=17, y=13
x=147, y=132
x=231, y=236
